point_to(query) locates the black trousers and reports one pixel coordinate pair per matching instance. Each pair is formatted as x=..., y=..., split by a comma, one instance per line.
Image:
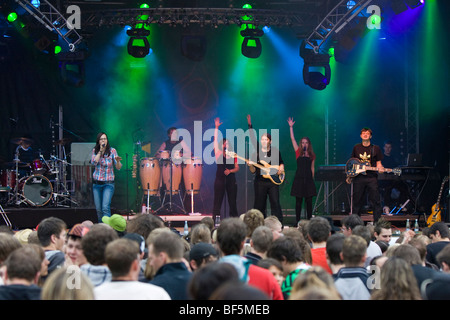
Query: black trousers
x=362, y=186
x=221, y=185
x=298, y=207
x=263, y=189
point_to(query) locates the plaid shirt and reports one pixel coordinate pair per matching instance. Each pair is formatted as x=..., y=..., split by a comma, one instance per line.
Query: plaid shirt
x=104, y=169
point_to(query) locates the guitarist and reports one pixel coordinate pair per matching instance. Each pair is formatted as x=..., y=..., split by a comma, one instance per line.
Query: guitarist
x=264, y=187
x=368, y=183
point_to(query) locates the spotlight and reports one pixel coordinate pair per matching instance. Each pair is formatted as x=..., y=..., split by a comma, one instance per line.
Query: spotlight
x=414, y=3
x=251, y=45
x=72, y=67
x=316, y=68
x=138, y=45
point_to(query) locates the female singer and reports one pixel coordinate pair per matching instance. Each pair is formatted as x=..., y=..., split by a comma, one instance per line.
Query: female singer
x=225, y=175
x=303, y=185
x=104, y=158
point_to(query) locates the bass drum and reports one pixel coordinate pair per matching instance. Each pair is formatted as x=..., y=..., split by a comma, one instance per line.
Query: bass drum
x=37, y=190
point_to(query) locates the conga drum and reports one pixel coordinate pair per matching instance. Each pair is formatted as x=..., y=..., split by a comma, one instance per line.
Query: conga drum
x=176, y=176
x=192, y=173
x=164, y=154
x=150, y=174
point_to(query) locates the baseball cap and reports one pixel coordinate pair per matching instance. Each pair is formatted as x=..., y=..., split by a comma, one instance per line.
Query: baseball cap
x=202, y=250
x=138, y=238
x=116, y=221
x=78, y=230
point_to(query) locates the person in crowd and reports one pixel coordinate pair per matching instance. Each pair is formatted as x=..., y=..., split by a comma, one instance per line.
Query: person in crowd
x=287, y=251
x=443, y=259
x=440, y=238
x=67, y=283
x=352, y=280
x=73, y=250
x=319, y=230
x=201, y=254
x=334, y=250
x=230, y=239
x=165, y=254
x=260, y=242
x=314, y=282
x=21, y=275
x=122, y=257
x=397, y=282
x=208, y=278
x=275, y=225
x=94, y=244
x=273, y=266
x=52, y=236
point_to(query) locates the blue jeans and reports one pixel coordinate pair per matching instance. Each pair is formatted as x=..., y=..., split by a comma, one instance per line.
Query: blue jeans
x=103, y=194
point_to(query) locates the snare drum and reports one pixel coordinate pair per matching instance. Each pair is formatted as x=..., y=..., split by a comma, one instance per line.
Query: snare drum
x=150, y=174
x=36, y=189
x=192, y=173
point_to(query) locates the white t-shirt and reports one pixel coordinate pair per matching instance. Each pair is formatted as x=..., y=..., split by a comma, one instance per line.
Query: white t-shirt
x=129, y=290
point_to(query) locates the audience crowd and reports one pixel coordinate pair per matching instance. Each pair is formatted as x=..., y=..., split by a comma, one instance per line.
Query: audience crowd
x=248, y=257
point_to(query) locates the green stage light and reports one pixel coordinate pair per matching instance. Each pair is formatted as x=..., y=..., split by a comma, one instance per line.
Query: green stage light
x=12, y=17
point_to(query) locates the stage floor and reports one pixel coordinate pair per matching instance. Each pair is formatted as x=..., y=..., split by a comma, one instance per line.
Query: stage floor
x=30, y=217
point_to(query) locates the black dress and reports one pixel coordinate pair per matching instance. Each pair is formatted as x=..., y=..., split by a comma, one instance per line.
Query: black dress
x=303, y=185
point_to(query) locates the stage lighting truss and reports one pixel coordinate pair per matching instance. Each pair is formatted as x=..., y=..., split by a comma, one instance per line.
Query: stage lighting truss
x=53, y=20
x=202, y=16
x=334, y=21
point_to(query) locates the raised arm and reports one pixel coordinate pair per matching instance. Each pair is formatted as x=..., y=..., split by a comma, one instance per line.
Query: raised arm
x=291, y=123
x=217, y=124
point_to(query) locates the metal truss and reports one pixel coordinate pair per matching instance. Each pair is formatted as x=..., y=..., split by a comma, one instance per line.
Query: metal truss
x=53, y=20
x=334, y=21
x=200, y=16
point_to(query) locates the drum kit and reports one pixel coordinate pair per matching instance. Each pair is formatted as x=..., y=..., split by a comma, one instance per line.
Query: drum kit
x=37, y=183
x=166, y=172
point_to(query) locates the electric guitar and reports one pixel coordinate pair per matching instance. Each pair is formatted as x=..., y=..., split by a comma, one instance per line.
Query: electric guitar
x=436, y=208
x=355, y=167
x=268, y=171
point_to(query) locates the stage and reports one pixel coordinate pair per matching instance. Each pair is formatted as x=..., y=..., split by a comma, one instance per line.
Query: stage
x=29, y=217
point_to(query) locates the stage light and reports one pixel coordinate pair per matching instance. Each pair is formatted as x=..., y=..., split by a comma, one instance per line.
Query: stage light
x=12, y=17
x=138, y=45
x=414, y=3
x=316, y=68
x=350, y=4
x=72, y=68
x=251, y=45
x=36, y=3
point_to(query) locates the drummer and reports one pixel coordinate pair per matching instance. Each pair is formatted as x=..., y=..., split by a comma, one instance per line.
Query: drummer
x=172, y=141
x=24, y=154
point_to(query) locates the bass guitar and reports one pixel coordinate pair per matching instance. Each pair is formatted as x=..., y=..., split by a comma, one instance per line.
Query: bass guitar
x=355, y=167
x=268, y=171
x=436, y=208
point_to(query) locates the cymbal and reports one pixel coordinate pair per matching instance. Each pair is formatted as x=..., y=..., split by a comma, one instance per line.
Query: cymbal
x=62, y=141
x=21, y=139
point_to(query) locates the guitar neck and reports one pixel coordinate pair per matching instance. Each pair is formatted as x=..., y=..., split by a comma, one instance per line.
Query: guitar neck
x=247, y=161
x=377, y=169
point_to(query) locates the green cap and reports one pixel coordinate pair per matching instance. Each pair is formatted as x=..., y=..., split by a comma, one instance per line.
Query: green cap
x=116, y=221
